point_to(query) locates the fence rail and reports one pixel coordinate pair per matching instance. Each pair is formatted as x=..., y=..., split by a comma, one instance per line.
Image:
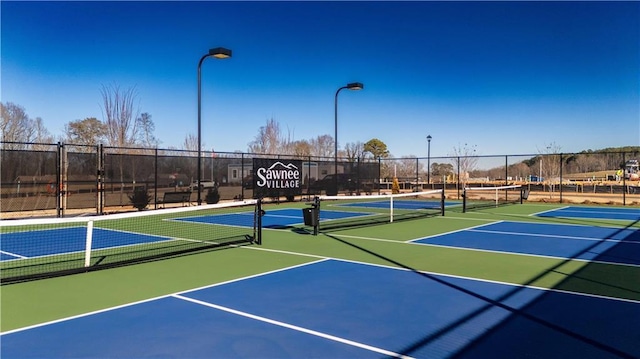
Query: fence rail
x=68, y=180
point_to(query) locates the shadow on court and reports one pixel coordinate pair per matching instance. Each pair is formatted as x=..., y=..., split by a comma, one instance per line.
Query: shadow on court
x=540, y=323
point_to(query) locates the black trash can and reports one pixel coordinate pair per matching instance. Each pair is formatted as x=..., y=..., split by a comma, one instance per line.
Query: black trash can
x=310, y=216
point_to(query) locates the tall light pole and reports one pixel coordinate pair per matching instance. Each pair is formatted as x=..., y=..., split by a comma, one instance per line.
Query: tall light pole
x=218, y=53
x=429, y=159
x=354, y=86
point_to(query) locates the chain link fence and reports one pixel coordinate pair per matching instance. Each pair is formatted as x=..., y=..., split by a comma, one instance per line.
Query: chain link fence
x=69, y=180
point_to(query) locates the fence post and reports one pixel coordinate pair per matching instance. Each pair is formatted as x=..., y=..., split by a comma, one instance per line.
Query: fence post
x=58, y=181
x=100, y=179
x=561, y=177
x=241, y=175
x=417, y=174
x=506, y=170
x=379, y=174
x=155, y=180
x=458, y=176
x=624, y=182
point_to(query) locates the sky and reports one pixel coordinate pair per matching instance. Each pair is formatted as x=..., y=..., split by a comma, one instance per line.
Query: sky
x=501, y=77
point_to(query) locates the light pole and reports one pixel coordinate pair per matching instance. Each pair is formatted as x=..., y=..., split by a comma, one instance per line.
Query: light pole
x=354, y=86
x=429, y=159
x=218, y=53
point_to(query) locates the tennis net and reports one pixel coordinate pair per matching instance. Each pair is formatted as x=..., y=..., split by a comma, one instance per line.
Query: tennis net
x=39, y=248
x=487, y=197
x=336, y=212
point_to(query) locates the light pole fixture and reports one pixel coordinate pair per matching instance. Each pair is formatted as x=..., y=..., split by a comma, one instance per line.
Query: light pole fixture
x=429, y=158
x=218, y=53
x=354, y=86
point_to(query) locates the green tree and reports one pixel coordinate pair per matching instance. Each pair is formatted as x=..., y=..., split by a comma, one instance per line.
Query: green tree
x=145, y=131
x=376, y=148
x=441, y=169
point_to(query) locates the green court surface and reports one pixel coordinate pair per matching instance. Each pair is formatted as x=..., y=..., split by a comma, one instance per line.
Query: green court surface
x=40, y=301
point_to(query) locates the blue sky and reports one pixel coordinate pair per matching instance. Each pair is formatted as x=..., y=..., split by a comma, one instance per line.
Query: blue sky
x=505, y=77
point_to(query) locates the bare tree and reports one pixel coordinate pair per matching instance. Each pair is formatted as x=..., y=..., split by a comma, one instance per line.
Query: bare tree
x=464, y=159
x=550, y=158
x=354, y=151
x=408, y=167
x=41, y=133
x=16, y=125
x=301, y=149
x=322, y=146
x=190, y=142
x=120, y=119
x=269, y=139
x=120, y=115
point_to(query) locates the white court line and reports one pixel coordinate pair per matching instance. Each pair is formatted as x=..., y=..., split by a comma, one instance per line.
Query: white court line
x=455, y=231
x=603, y=210
x=554, y=236
x=13, y=255
x=154, y=298
x=550, y=210
x=293, y=327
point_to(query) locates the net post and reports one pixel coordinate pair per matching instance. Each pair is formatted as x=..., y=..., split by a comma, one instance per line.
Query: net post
x=316, y=214
x=258, y=224
x=87, y=247
x=391, y=209
x=442, y=198
x=464, y=200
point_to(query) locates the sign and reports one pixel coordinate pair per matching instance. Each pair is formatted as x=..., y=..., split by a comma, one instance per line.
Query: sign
x=276, y=177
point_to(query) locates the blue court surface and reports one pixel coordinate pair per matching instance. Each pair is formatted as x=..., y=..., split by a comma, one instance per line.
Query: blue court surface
x=338, y=309
x=21, y=245
x=603, y=244
x=628, y=214
x=273, y=219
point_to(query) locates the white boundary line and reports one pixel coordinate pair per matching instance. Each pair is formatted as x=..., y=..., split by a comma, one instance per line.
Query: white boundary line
x=293, y=327
x=323, y=259
x=153, y=298
x=17, y=256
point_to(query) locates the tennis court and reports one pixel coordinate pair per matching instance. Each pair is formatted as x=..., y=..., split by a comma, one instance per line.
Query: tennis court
x=602, y=244
x=498, y=282
x=625, y=214
x=277, y=218
x=277, y=315
x=22, y=245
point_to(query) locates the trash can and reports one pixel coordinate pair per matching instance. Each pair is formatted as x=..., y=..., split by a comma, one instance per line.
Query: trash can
x=310, y=216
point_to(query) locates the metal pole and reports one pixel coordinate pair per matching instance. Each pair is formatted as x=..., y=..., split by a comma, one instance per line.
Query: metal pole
x=199, y=166
x=335, y=137
x=155, y=180
x=624, y=180
x=350, y=86
x=560, y=177
x=220, y=53
x=429, y=159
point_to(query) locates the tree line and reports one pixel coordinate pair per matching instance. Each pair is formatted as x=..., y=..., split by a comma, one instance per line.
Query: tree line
x=125, y=126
